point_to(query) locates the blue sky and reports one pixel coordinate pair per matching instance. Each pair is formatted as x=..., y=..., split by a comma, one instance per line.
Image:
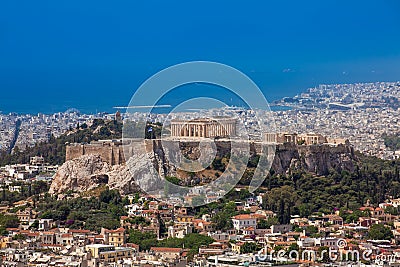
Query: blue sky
x=92, y=55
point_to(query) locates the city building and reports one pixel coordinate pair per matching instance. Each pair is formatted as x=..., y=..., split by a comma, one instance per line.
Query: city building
x=244, y=221
x=114, y=237
x=109, y=253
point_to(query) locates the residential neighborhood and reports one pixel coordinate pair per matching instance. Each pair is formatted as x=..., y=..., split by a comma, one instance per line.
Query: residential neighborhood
x=249, y=235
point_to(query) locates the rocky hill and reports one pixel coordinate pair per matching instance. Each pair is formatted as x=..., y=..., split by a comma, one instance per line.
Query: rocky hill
x=318, y=159
x=89, y=171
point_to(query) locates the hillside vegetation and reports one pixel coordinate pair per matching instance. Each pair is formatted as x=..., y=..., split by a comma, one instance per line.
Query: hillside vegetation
x=392, y=141
x=304, y=193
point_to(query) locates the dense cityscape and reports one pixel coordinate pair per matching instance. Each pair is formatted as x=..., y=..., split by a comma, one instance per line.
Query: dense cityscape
x=77, y=215
x=200, y=133
x=361, y=113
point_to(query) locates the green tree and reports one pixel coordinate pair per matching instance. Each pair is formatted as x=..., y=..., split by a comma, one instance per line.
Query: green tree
x=380, y=232
x=9, y=221
x=265, y=224
x=249, y=247
x=392, y=210
x=324, y=253
x=222, y=219
x=293, y=247
x=144, y=239
x=34, y=225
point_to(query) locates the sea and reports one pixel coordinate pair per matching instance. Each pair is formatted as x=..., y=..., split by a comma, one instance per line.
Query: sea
x=102, y=94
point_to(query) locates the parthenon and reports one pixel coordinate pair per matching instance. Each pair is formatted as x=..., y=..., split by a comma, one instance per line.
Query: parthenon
x=204, y=127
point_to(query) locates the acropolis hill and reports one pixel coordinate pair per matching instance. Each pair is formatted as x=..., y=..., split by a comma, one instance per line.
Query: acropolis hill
x=290, y=148
x=99, y=168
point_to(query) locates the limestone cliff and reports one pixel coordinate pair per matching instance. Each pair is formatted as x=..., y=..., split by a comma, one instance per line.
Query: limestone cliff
x=89, y=171
x=80, y=174
x=318, y=159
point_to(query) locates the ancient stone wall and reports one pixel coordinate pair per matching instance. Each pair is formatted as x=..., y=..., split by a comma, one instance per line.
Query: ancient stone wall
x=315, y=158
x=110, y=153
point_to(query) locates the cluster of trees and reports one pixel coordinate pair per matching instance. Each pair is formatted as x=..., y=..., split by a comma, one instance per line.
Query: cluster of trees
x=53, y=151
x=265, y=224
x=7, y=221
x=222, y=218
x=392, y=141
x=27, y=190
x=349, y=217
x=138, y=220
x=86, y=213
x=380, y=232
x=145, y=240
x=304, y=193
x=224, y=209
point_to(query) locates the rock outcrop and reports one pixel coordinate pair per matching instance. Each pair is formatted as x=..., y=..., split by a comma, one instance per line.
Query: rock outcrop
x=89, y=171
x=80, y=174
x=318, y=159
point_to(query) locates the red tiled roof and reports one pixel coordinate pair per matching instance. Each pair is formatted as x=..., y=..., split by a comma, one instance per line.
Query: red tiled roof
x=243, y=216
x=48, y=233
x=366, y=208
x=166, y=250
x=116, y=230
x=292, y=233
x=131, y=245
x=258, y=216
x=33, y=234
x=78, y=231
x=66, y=235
